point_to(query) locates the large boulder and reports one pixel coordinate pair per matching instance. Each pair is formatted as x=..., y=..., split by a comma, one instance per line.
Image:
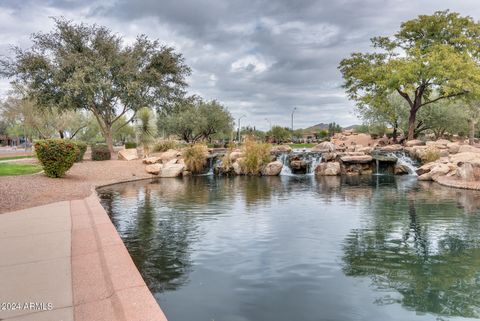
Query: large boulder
x=172, y=170
x=154, y=169
x=414, y=142
x=453, y=148
x=466, y=172
x=425, y=168
x=324, y=147
x=436, y=171
x=328, y=169
x=233, y=156
x=169, y=155
x=298, y=165
x=128, y=154
x=329, y=156
x=272, y=169
x=151, y=160
x=391, y=148
x=280, y=149
x=360, y=159
x=467, y=157
x=468, y=149
x=237, y=168
x=365, y=150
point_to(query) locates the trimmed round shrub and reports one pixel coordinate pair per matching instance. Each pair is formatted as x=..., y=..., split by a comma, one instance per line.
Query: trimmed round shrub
x=100, y=152
x=130, y=145
x=82, y=148
x=56, y=156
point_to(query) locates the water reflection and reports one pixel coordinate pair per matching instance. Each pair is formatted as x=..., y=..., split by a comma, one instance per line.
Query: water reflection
x=252, y=242
x=430, y=256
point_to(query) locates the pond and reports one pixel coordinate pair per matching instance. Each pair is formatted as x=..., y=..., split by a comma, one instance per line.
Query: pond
x=302, y=248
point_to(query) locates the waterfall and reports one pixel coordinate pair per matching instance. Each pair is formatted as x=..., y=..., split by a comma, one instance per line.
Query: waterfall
x=316, y=159
x=403, y=159
x=286, y=171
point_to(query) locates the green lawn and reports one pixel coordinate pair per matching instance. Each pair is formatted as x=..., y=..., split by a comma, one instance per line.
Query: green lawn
x=13, y=157
x=10, y=169
x=301, y=145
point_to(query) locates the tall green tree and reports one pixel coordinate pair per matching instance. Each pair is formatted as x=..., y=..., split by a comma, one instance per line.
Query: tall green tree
x=279, y=134
x=193, y=119
x=80, y=66
x=432, y=54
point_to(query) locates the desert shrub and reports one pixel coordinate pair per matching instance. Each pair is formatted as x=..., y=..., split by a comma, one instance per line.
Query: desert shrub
x=256, y=155
x=130, y=145
x=100, y=152
x=195, y=157
x=431, y=155
x=82, y=148
x=163, y=145
x=56, y=156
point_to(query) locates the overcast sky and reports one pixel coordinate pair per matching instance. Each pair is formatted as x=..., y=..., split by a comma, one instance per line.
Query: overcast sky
x=260, y=58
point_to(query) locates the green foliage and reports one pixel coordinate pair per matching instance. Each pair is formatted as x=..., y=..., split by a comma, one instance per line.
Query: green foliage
x=130, y=145
x=193, y=119
x=322, y=133
x=100, y=152
x=431, y=58
x=256, y=155
x=279, y=134
x=80, y=66
x=56, y=156
x=195, y=157
x=163, y=145
x=12, y=169
x=334, y=128
x=252, y=132
x=82, y=148
x=377, y=130
x=362, y=129
x=146, y=129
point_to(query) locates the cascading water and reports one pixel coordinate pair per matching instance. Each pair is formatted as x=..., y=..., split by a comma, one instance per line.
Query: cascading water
x=403, y=159
x=316, y=159
x=286, y=171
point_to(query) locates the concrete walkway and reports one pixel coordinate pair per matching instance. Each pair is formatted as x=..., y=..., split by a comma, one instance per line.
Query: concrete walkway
x=35, y=264
x=65, y=261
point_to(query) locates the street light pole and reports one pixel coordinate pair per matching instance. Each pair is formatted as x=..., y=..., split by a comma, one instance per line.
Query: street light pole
x=270, y=122
x=293, y=111
x=238, y=134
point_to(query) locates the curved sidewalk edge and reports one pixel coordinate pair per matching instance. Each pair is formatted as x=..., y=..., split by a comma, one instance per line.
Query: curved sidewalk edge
x=106, y=284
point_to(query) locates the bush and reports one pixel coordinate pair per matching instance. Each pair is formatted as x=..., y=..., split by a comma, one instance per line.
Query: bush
x=431, y=154
x=130, y=145
x=195, y=157
x=82, y=148
x=256, y=156
x=164, y=144
x=56, y=156
x=100, y=152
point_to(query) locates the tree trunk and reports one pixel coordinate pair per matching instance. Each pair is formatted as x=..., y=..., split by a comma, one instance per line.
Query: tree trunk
x=471, y=132
x=62, y=135
x=411, y=124
x=109, y=139
x=395, y=133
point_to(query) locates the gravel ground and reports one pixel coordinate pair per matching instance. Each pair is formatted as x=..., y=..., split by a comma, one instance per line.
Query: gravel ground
x=18, y=192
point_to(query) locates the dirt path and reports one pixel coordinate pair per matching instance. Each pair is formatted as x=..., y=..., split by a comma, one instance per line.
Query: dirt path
x=19, y=192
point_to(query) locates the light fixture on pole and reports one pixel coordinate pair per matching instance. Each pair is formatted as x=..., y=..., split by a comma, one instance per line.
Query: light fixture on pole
x=238, y=134
x=269, y=122
x=293, y=111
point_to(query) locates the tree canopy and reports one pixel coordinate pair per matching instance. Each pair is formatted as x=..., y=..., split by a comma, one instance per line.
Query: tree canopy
x=80, y=66
x=431, y=58
x=194, y=119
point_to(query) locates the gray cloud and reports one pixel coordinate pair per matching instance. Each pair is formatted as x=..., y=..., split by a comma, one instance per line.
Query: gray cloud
x=260, y=58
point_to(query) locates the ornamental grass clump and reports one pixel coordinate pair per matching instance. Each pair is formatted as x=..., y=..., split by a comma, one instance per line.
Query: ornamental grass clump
x=195, y=157
x=256, y=156
x=82, y=148
x=56, y=156
x=163, y=145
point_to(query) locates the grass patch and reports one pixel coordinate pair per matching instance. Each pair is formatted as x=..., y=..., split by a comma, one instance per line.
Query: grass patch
x=14, y=157
x=9, y=169
x=310, y=145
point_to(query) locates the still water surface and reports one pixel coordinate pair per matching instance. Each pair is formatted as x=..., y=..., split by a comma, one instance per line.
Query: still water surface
x=302, y=248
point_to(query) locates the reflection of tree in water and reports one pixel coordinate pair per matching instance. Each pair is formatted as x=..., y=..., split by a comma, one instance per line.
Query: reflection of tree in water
x=426, y=248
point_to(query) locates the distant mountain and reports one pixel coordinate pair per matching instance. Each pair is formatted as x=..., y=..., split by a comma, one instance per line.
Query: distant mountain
x=324, y=126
